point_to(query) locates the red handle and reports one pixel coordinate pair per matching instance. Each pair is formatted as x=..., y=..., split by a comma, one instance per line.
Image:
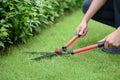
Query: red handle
x=71, y=41
x=99, y=44
x=85, y=49
x=64, y=48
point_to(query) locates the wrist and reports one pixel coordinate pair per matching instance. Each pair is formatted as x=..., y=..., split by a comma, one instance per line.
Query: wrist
x=84, y=20
x=118, y=29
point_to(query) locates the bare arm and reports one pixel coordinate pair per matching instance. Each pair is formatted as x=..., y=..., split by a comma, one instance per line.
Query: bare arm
x=112, y=39
x=94, y=7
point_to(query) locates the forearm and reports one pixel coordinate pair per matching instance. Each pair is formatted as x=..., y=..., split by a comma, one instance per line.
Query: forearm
x=94, y=7
x=118, y=29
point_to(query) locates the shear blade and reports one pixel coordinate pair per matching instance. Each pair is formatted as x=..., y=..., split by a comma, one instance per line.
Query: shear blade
x=39, y=52
x=44, y=56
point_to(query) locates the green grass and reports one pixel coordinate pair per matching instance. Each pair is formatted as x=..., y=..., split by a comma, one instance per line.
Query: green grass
x=89, y=65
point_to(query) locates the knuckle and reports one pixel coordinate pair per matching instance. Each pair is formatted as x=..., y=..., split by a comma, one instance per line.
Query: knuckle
x=117, y=45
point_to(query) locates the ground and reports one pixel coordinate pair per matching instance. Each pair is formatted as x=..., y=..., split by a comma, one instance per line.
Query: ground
x=89, y=65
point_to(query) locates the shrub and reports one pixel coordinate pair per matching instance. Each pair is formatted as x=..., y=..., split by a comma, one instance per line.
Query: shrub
x=20, y=19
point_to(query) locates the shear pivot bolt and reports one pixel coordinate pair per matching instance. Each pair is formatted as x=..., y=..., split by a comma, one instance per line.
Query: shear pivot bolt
x=58, y=51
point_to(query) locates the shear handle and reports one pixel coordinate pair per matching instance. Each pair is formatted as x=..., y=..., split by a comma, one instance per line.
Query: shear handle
x=64, y=48
x=99, y=44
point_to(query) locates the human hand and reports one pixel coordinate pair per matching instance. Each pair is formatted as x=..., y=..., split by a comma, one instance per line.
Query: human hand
x=82, y=29
x=112, y=39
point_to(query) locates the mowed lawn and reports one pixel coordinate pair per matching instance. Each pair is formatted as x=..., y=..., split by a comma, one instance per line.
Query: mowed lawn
x=90, y=65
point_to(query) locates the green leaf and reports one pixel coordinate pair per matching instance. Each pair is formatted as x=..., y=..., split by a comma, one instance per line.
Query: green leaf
x=2, y=44
x=3, y=29
x=4, y=1
x=3, y=34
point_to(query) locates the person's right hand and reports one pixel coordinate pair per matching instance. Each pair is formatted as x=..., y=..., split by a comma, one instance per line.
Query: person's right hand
x=82, y=29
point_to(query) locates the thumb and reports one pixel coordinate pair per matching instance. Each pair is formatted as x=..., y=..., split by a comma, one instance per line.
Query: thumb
x=102, y=40
x=81, y=32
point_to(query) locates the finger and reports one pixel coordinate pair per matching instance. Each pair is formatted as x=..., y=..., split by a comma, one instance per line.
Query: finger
x=82, y=31
x=106, y=44
x=110, y=45
x=102, y=40
x=78, y=30
x=85, y=32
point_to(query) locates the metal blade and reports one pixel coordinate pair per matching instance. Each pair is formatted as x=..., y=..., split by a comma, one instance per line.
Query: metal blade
x=45, y=56
x=38, y=52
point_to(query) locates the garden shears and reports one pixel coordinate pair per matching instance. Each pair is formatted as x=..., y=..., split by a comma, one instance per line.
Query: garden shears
x=63, y=50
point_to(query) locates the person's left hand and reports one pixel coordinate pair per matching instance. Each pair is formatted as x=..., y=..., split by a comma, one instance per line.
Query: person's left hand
x=112, y=39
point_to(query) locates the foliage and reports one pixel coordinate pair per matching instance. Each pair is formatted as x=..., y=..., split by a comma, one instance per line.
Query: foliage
x=20, y=19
